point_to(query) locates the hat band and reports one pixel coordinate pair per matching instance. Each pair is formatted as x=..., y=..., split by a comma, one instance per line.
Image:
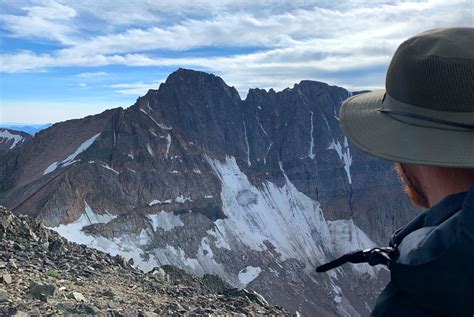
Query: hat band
x=427, y=118
x=432, y=118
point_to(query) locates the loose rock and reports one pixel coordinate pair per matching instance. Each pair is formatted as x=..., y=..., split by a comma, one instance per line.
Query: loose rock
x=55, y=277
x=3, y=295
x=6, y=279
x=77, y=296
x=42, y=291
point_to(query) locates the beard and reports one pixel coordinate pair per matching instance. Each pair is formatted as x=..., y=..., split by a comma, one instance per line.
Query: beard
x=413, y=188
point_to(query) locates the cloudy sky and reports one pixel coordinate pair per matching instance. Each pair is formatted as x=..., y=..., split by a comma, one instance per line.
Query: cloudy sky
x=64, y=59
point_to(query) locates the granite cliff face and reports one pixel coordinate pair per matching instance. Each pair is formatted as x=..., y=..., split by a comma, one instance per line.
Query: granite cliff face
x=258, y=191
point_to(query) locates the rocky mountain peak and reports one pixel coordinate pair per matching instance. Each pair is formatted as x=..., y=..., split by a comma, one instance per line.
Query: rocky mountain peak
x=258, y=191
x=197, y=85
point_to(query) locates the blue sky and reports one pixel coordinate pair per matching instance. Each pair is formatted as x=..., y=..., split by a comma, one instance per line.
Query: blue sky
x=67, y=59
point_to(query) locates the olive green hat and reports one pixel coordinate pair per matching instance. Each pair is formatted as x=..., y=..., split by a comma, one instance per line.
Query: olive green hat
x=426, y=114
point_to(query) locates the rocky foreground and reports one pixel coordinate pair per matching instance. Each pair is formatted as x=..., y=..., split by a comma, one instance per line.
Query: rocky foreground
x=43, y=274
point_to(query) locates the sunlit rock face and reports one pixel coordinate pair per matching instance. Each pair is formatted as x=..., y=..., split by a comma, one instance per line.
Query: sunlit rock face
x=259, y=191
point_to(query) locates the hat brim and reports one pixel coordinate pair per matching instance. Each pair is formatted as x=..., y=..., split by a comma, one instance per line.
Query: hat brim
x=406, y=140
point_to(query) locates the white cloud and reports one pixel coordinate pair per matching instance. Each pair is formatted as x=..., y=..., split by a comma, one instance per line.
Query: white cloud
x=296, y=42
x=89, y=75
x=47, y=20
x=137, y=88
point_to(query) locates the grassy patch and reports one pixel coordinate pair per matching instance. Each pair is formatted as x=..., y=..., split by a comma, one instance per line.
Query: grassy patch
x=54, y=274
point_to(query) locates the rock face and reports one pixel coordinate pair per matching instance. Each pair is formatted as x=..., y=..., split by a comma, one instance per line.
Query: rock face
x=9, y=139
x=51, y=276
x=258, y=191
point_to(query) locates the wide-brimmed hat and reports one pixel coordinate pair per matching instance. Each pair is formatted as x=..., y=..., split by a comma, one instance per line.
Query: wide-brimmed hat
x=426, y=114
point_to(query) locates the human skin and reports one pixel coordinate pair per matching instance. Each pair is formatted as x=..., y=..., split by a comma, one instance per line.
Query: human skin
x=427, y=185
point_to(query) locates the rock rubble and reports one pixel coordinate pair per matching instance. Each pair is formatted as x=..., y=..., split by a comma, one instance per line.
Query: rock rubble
x=43, y=274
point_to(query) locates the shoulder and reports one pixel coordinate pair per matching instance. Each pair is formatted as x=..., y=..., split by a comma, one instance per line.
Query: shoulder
x=394, y=303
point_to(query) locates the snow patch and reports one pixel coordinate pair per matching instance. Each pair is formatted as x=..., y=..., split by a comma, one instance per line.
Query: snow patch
x=204, y=262
x=70, y=163
x=248, y=274
x=6, y=136
x=94, y=218
x=266, y=153
x=155, y=202
x=110, y=168
x=285, y=217
x=51, y=168
x=347, y=237
x=128, y=245
x=168, y=145
x=247, y=144
x=72, y=231
x=161, y=125
x=84, y=146
x=261, y=127
x=165, y=220
x=289, y=220
x=148, y=106
x=311, y=144
x=71, y=158
x=275, y=272
x=220, y=239
x=344, y=154
x=150, y=150
x=181, y=199
x=159, y=202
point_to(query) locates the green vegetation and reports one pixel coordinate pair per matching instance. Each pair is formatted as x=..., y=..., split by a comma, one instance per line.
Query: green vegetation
x=54, y=274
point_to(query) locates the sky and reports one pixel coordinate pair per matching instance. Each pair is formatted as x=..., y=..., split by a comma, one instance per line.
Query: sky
x=63, y=59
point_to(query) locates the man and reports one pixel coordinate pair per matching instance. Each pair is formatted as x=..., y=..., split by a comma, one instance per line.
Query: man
x=424, y=121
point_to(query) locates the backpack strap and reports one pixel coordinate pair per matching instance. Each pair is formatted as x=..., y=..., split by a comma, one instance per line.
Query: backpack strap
x=373, y=256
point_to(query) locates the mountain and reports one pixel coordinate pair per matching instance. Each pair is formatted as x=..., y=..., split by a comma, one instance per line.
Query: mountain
x=9, y=139
x=31, y=129
x=258, y=191
x=43, y=274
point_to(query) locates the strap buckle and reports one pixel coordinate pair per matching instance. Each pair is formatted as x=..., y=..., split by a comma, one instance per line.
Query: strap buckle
x=373, y=257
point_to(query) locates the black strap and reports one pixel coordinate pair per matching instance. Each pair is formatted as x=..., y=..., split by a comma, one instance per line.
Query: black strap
x=373, y=256
x=427, y=118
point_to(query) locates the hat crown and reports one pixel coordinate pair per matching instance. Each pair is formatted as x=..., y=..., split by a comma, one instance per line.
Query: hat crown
x=435, y=70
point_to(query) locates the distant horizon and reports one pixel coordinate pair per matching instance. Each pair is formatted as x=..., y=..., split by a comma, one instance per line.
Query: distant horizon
x=38, y=124
x=62, y=59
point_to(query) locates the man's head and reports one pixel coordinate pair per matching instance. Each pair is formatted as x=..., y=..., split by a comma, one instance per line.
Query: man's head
x=425, y=117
